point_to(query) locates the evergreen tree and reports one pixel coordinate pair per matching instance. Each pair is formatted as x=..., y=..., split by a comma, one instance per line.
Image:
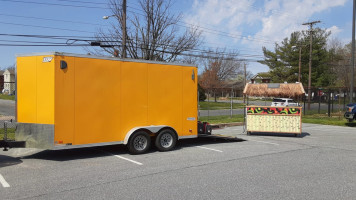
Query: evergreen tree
x=284, y=60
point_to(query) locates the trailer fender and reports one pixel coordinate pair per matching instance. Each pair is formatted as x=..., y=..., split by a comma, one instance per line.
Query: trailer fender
x=152, y=129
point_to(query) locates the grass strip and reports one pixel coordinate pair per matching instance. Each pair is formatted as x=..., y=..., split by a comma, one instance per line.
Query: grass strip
x=7, y=97
x=10, y=133
x=334, y=120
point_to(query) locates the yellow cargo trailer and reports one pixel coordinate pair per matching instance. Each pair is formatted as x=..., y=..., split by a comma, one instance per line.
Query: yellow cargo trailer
x=70, y=100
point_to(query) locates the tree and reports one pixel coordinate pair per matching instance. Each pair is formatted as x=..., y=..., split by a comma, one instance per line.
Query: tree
x=153, y=35
x=340, y=60
x=283, y=61
x=219, y=66
x=201, y=91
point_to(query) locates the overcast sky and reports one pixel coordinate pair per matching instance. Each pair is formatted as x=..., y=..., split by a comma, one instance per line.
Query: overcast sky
x=239, y=25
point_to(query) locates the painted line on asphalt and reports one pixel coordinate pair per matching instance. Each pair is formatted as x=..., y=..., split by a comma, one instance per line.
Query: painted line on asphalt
x=209, y=149
x=263, y=142
x=123, y=158
x=138, y=163
x=3, y=182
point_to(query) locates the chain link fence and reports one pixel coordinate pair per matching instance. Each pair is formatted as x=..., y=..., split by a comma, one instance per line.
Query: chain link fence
x=7, y=128
x=330, y=101
x=229, y=101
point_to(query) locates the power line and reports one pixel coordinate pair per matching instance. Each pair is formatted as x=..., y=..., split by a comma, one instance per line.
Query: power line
x=46, y=27
x=49, y=19
x=89, y=39
x=53, y=4
x=208, y=30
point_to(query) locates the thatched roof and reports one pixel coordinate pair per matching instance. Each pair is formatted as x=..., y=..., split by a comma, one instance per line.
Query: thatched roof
x=286, y=90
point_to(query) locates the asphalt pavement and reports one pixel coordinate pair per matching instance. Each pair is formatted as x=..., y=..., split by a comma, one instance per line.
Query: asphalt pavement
x=7, y=107
x=320, y=164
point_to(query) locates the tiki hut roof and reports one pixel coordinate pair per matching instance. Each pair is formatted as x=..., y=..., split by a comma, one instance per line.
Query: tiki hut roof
x=287, y=90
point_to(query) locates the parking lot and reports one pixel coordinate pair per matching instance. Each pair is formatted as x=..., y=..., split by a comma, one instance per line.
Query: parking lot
x=320, y=164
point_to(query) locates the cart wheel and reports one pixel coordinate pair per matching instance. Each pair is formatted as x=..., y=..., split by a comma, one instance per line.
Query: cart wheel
x=166, y=140
x=139, y=142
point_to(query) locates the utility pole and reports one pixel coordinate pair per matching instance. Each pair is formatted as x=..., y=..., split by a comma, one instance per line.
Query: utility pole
x=310, y=24
x=353, y=54
x=245, y=77
x=300, y=62
x=124, y=29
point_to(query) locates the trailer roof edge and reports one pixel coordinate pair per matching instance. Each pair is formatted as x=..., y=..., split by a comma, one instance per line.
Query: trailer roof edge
x=102, y=57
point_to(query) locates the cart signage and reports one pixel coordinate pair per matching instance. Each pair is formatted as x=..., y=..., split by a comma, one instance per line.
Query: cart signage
x=273, y=110
x=274, y=119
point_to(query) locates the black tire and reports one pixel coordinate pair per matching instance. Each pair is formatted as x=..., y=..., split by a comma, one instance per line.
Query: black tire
x=350, y=120
x=139, y=142
x=166, y=140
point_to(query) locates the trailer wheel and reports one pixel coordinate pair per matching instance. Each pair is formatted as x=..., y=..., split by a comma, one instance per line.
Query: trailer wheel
x=166, y=140
x=139, y=142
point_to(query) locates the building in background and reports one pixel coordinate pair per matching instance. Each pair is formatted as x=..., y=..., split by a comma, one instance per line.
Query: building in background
x=263, y=77
x=9, y=81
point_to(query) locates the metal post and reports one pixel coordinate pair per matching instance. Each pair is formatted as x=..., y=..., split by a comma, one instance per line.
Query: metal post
x=353, y=53
x=304, y=105
x=124, y=29
x=5, y=131
x=344, y=100
x=332, y=101
x=300, y=62
x=319, y=102
x=329, y=94
x=231, y=103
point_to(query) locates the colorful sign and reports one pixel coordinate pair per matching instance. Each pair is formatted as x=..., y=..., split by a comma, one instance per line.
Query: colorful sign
x=274, y=110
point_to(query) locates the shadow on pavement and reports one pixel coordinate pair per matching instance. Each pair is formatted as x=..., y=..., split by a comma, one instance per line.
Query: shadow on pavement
x=350, y=124
x=103, y=151
x=302, y=135
x=6, y=161
x=206, y=140
x=71, y=154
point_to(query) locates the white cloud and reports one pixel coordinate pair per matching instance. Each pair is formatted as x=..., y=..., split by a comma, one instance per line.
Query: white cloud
x=256, y=23
x=272, y=21
x=334, y=30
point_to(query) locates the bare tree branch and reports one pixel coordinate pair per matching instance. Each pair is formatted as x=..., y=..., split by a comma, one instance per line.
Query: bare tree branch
x=153, y=35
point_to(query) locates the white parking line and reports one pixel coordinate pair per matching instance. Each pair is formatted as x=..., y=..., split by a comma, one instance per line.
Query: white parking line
x=127, y=159
x=3, y=182
x=209, y=149
x=138, y=163
x=263, y=142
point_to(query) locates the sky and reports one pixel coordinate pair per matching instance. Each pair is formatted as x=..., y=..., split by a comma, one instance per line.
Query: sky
x=243, y=26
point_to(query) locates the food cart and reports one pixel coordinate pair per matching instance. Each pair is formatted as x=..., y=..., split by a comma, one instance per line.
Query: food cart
x=274, y=119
